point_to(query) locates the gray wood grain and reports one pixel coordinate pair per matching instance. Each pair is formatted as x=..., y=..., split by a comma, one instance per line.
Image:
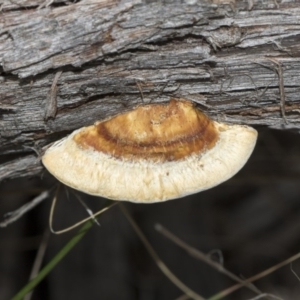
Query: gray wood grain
x=224, y=57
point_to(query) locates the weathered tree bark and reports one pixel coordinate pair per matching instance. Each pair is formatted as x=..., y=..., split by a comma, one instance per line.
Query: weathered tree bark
x=65, y=66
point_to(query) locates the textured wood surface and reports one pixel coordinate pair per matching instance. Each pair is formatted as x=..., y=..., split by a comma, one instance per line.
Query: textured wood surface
x=66, y=65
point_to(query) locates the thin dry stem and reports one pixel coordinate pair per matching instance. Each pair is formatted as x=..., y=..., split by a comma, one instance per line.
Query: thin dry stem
x=203, y=257
x=296, y=275
x=76, y=224
x=264, y=273
x=17, y=214
x=268, y=296
x=88, y=210
x=39, y=259
x=157, y=259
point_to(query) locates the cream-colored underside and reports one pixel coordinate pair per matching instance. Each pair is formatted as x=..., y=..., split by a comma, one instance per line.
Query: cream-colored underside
x=144, y=181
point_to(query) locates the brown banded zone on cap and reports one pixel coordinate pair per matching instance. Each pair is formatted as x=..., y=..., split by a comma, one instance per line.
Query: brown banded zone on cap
x=158, y=132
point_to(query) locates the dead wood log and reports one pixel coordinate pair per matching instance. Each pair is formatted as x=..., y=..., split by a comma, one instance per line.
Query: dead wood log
x=65, y=65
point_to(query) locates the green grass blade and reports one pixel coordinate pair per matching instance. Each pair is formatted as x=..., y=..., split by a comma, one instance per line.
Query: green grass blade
x=59, y=256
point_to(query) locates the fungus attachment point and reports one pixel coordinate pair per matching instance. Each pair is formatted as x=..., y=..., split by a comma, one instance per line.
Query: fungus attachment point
x=153, y=153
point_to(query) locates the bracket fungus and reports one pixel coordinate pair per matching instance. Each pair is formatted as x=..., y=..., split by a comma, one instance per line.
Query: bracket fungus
x=153, y=153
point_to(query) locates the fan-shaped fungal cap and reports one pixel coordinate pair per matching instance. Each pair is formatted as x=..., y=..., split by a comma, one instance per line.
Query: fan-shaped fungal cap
x=153, y=153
